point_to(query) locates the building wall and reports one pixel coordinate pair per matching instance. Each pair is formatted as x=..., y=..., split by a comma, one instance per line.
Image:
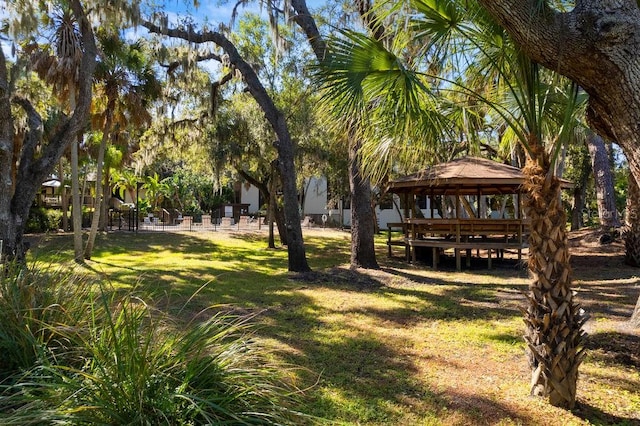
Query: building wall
x=250, y=195
x=316, y=206
x=315, y=201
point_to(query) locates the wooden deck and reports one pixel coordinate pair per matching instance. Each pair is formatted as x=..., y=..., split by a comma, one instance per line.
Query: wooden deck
x=492, y=235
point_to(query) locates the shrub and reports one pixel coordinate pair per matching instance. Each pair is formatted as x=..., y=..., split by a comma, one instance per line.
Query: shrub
x=113, y=359
x=43, y=220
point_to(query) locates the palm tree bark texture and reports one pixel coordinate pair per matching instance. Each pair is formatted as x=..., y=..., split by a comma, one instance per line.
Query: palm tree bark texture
x=553, y=319
x=283, y=145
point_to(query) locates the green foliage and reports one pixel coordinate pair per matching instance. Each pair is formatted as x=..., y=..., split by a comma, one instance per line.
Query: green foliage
x=75, y=355
x=224, y=196
x=43, y=220
x=35, y=305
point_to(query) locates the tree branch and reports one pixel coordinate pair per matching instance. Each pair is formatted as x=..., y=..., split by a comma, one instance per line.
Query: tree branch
x=32, y=137
x=215, y=88
x=306, y=22
x=254, y=85
x=262, y=187
x=172, y=66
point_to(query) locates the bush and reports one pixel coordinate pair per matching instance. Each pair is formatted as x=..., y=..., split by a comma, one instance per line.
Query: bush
x=43, y=220
x=80, y=356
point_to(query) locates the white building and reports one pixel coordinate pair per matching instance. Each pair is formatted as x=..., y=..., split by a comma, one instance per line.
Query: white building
x=316, y=200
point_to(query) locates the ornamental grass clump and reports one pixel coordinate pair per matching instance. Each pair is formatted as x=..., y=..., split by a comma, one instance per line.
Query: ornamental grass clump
x=37, y=306
x=129, y=363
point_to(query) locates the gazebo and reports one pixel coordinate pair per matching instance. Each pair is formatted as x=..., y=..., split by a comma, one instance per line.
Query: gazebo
x=474, y=204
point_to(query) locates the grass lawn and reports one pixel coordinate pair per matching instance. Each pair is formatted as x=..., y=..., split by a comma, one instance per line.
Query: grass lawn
x=403, y=345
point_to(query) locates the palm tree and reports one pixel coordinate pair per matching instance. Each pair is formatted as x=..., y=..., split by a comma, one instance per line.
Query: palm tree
x=126, y=82
x=405, y=104
x=126, y=180
x=61, y=70
x=156, y=190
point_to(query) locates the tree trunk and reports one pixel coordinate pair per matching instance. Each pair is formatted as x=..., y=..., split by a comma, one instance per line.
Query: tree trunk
x=64, y=200
x=363, y=254
x=271, y=211
x=76, y=204
x=280, y=223
x=603, y=179
x=631, y=231
x=7, y=222
x=106, y=196
x=635, y=317
x=97, y=208
x=578, y=206
x=553, y=320
x=362, y=217
x=269, y=193
x=579, y=191
x=284, y=144
x=631, y=235
x=36, y=164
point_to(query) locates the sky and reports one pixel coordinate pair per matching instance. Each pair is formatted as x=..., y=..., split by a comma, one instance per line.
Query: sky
x=217, y=11
x=212, y=12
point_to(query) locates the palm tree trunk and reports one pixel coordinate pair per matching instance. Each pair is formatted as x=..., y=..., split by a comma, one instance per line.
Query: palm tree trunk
x=106, y=195
x=553, y=320
x=99, y=198
x=76, y=205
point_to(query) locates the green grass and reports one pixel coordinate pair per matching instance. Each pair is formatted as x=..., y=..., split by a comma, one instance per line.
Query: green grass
x=407, y=345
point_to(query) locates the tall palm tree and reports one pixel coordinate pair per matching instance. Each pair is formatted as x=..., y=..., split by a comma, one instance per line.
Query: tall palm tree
x=126, y=82
x=62, y=70
x=405, y=104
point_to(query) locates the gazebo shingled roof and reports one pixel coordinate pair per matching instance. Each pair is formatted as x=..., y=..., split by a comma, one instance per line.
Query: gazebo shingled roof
x=467, y=175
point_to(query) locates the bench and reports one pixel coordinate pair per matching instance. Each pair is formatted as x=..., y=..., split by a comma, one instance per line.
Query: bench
x=438, y=244
x=465, y=234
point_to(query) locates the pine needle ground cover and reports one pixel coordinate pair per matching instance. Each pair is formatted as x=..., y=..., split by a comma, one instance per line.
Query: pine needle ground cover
x=402, y=345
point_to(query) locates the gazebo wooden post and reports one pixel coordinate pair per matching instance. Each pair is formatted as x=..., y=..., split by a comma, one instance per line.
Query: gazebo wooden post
x=478, y=215
x=458, y=240
x=406, y=226
x=434, y=250
x=518, y=212
x=431, y=203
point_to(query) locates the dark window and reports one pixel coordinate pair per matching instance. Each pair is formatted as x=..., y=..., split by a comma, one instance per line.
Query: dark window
x=421, y=201
x=386, y=202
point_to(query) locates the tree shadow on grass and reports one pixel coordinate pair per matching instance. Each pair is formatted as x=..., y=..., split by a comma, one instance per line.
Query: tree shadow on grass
x=376, y=372
x=595, y=416
x=617, y=347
